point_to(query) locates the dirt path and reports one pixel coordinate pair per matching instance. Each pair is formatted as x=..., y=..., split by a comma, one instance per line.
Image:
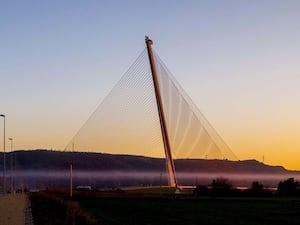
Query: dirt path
x=12, y=209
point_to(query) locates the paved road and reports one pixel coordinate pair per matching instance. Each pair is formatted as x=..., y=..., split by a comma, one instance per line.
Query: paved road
x=13, y=208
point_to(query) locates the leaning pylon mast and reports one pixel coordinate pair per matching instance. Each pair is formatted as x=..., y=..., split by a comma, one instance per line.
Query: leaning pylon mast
x=163, y=126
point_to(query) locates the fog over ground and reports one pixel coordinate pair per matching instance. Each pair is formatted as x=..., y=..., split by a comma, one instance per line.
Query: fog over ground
x=119, y=179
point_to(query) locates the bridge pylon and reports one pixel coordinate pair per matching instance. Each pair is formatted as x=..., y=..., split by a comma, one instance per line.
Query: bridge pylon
x=164, y=130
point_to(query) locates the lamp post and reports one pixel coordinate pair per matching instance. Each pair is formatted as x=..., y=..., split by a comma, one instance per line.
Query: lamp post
x=11, y=166
x=71, y=172
x=4, y=163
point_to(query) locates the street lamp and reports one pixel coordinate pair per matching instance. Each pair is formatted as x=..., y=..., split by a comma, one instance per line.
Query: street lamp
x=4, y=163
x=11, y=166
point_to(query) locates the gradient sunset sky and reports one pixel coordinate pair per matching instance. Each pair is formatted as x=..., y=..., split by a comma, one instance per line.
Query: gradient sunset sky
x=238, y=61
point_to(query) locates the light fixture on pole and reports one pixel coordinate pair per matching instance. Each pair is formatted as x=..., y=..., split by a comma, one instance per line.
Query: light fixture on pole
x=4, y=163
x=11, y=166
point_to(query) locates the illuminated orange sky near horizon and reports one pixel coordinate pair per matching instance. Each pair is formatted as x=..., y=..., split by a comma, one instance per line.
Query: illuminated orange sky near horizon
x=237, y=60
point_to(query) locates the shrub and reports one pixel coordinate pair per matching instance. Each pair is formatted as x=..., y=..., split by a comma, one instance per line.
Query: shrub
x=287, y=187
x=221, y=183
x=50, y=209
x=257, y=187
x=201, y=190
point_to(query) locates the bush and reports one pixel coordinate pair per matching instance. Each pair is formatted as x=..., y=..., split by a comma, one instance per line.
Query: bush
x=52, y=210
x=257, y=187
x=221, y=183
x=288, y=187
x=201, y=190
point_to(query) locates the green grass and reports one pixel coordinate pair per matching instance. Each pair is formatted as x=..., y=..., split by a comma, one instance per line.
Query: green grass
x=189, y=211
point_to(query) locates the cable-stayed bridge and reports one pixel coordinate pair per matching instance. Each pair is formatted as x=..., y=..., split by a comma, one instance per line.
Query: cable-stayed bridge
x=148, y=113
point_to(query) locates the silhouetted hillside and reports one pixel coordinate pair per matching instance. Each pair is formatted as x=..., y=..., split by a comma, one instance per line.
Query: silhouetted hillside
x=57, y=160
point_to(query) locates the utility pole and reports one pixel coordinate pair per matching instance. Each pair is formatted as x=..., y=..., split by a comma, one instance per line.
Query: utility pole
x=71, y=180
x=11, y=166
x=71, y=172
x=163, y=126
x=4, y=159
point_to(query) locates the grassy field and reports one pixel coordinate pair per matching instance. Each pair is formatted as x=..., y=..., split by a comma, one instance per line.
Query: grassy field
x=207, y=211
x=140, y=208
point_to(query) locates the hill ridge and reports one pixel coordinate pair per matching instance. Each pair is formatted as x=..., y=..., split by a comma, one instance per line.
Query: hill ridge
x=41, y=159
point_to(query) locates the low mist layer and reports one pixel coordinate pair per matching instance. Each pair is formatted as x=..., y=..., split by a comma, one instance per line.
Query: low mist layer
x=119, y=179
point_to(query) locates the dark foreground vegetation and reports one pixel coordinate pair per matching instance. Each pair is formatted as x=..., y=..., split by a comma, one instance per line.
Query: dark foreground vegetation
x=208, y=211
x=218, y=205
x=52, y=208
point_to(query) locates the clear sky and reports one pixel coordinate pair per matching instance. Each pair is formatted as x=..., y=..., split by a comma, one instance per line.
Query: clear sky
x=238, y=61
